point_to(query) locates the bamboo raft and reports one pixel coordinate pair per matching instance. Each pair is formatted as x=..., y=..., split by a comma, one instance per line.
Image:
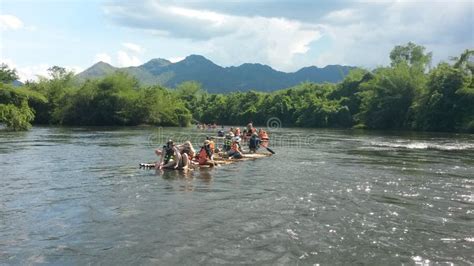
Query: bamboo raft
x=218, y=160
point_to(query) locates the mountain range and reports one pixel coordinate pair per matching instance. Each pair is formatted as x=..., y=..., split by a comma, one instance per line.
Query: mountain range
x=17, y=83
x=218, y=79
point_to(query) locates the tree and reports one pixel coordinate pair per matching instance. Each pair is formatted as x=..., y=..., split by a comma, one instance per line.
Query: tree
x=15, y=112
x=7, y=75
x=465, y=63
x=57, y=72
x=347, y=92
x=189, y=92
x=16, y=118
x=411, y=54
x=439, y=108
x=54, y=87
x=386, y=99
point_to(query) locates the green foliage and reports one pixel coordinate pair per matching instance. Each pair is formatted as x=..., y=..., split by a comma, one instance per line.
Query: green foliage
x=118, y=100
x=447, y=104
x=163, y=107
x=16, y=118
x=189, y=91
x=7, y=75
x=411, y=54
x=386, y=98
x=15, y=112
x=401, y=96
x=305, y=105
x=347, y=92
x=54, y=88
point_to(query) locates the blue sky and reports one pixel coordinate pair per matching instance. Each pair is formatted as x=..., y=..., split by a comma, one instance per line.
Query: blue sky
x=284, y=34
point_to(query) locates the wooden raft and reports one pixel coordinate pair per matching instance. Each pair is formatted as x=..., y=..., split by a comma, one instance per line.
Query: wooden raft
x=218, y=161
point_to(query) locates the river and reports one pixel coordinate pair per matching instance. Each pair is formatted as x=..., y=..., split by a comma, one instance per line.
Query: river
x=77, y=196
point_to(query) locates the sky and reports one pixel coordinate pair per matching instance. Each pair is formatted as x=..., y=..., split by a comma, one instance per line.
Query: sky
x=285, y=34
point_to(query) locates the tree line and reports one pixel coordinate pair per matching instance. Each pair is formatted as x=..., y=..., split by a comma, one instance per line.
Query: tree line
x=408, y=94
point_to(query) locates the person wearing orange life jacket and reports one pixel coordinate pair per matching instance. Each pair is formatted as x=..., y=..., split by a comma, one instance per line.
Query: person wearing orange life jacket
x=235, y=151
x=205, y=155
x=262, y=134
x=212, y=145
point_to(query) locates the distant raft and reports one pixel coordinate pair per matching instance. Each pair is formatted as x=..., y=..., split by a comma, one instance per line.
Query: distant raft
x=218, y=161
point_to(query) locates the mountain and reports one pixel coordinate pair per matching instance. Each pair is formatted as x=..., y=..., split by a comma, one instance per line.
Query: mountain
x=17, y=83
x=97, y=70
x=215, y=78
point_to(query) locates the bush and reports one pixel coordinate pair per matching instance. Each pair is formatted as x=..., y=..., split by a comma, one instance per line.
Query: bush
x=16, y=118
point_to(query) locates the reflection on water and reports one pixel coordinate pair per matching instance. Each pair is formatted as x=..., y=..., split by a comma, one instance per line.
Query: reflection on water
x=77, y=196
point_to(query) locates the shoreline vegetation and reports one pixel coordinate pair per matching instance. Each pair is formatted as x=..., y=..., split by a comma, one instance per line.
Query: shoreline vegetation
x=407, y=95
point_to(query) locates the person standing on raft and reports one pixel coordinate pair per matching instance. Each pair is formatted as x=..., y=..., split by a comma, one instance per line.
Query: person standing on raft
x=254, y=143
x=250, y=131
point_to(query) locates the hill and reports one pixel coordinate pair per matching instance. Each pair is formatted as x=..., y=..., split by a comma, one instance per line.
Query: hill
x=218, y=79
x=17, y=83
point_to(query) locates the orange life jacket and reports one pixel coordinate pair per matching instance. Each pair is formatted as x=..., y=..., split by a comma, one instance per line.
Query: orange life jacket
x=202, y=156
x=212, y=146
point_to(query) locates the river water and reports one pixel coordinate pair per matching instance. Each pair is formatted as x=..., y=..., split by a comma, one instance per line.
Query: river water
x=77, y=196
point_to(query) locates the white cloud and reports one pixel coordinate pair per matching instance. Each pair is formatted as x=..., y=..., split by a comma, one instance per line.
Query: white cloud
x=33, y=72
x=10, y=22
x=133, y=47
x=203, y=15
x=125, y=60
x=30, y=72
x=75, y=69
x=103, y=57
x=343, y=16
x=272, y=41
x=442, y=27
x=177, y=21
x=357, y=33
x=228, y=39
x=176, y=59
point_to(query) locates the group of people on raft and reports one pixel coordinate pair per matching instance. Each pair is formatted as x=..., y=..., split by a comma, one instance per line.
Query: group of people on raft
x=206, y=126
x=255, y=138
x=183, y=156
